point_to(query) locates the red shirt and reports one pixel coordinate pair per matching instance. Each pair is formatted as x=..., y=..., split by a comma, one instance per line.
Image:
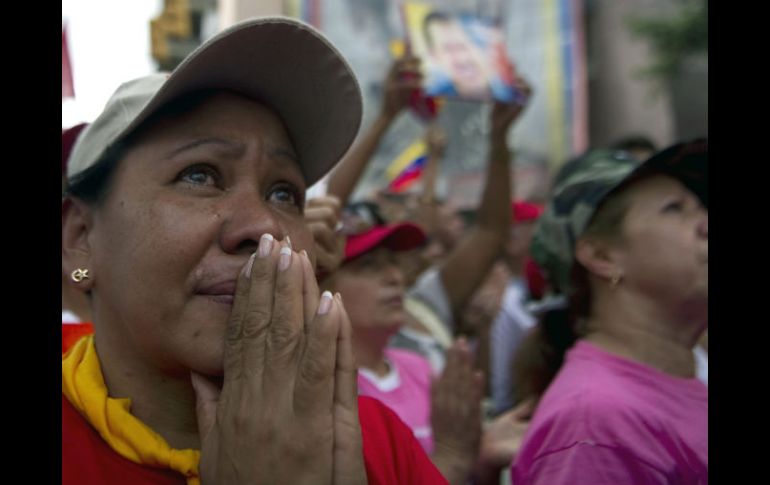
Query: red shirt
x=391, y=454
x=71, y=333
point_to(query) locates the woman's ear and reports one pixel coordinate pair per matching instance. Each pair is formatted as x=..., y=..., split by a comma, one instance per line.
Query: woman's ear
x=76, y=223
x=598, y=257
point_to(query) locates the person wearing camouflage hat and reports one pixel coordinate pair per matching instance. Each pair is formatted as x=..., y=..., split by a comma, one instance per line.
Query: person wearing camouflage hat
x=583, y=184
x=624, y=246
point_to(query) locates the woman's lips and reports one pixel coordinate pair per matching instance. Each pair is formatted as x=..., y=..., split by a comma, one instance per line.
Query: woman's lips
x=223, y=299
x=394, y=301
x=222, y=292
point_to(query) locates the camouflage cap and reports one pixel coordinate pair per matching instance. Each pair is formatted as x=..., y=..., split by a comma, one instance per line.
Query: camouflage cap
x=584, y=182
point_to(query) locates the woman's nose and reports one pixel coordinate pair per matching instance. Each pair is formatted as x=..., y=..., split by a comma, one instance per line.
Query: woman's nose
x=393, y=274
x=703, y=225
x=246, y=216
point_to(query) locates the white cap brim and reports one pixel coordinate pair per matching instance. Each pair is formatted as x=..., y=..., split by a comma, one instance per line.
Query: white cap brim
x=278, y=61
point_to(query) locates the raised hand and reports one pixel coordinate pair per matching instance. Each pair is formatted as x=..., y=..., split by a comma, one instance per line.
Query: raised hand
x=286, y=411
x=502, y=437
x=456, y=414
x=403, y=77
x=322, y=215
x=504, y=114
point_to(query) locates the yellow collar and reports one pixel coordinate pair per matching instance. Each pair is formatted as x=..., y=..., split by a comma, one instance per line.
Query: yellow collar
x=83, y=385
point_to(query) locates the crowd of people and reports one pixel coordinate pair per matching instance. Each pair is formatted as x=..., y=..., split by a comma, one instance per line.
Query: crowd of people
x=219, y=328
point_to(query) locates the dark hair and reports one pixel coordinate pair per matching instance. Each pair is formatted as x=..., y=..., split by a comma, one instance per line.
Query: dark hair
x=92, y=184
x=432, y=17
x=541, y=354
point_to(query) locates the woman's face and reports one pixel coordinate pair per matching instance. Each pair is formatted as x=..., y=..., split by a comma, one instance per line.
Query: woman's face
x=456, y=52
x=412, y=263
x=664, y=253
x=372, y=287
x=186, y=208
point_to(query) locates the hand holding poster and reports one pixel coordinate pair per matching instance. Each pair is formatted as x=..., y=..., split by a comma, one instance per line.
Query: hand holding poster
x=424, y=107
x=463, y=56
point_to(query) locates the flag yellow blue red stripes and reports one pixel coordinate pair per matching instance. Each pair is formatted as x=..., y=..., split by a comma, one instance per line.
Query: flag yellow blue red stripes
x=411, y=153
x=408, y=176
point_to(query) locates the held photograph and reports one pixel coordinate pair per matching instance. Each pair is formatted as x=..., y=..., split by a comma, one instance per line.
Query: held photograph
x=463, y=55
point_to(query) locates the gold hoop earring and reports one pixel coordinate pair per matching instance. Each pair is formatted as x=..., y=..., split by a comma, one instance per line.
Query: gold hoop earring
x=615, y=280
x=79, y=275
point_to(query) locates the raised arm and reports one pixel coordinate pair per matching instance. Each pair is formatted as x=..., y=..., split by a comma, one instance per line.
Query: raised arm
x=469, y=262
x=456, y=415
x=435, y=139
x=426, y=211
x=403, y=77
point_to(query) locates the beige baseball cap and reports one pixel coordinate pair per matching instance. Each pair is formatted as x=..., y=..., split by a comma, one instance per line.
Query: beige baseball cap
x=281, y=62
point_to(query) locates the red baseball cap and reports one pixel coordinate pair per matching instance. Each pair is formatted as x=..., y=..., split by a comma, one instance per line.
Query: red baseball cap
x=396, y=237
x=522, y=211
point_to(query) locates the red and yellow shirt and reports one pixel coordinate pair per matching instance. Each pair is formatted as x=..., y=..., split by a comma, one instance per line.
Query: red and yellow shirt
x=102, y=442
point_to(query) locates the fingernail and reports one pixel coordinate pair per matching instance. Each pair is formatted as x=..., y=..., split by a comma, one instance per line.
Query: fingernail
x=304, y=255
x=288, y=241
x=265, y=245
x=284, y=260
x=326, y=303
x=339, y=296
x=247, y=268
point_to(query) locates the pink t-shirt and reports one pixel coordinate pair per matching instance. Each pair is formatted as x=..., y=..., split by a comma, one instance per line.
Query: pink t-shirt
x=609, y=420
x=405, y=390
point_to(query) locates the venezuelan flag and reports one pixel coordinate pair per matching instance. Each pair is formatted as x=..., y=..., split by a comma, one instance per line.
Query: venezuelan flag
x=409, y=175
x=411, y=153
x=407, y=166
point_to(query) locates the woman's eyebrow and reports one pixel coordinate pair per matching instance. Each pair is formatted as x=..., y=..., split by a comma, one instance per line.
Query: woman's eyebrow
x=280, y=151
x=231, y=148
